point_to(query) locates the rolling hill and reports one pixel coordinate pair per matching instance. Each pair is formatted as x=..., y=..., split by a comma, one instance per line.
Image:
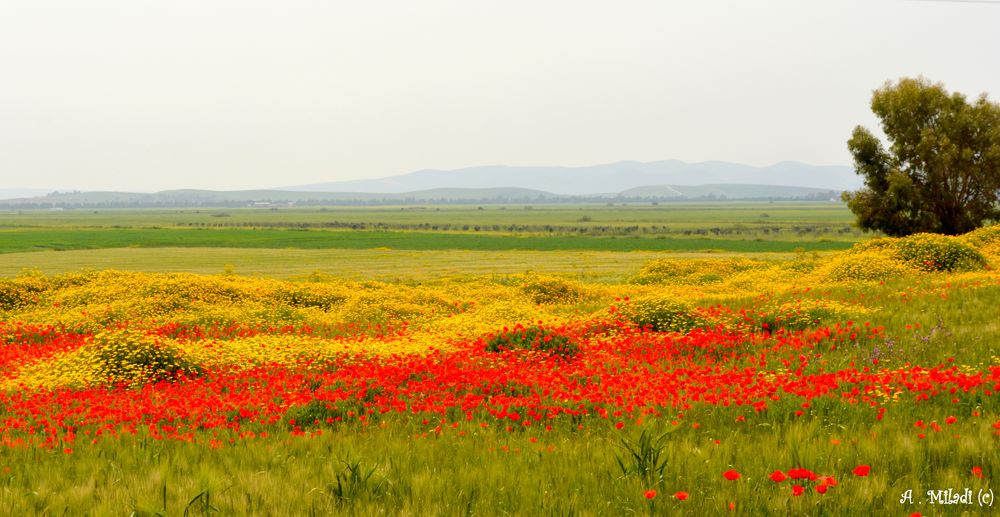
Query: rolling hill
x=603, y=179
x=666, y=180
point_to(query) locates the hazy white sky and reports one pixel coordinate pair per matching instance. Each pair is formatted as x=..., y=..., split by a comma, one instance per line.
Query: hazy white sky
x=226, y=94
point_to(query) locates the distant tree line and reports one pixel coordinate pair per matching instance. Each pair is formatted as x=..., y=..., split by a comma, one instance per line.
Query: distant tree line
x=560, y=229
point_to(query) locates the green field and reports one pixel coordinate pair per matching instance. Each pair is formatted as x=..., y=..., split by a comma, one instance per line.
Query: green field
x=413, y=241
x=677, y=216
x=65, y=239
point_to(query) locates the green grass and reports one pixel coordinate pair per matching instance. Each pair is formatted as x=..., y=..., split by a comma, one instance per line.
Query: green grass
x=720, y=214
x=566, y=471
x=413, y=242
x=743, y=221
x=60, y=239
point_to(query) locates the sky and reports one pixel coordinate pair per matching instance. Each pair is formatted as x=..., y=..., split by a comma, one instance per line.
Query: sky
x=147, y=95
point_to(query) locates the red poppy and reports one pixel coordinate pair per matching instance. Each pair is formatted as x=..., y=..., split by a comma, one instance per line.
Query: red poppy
x=978, y=472
x=801, y=473
x=821, y=488
x=862, y=470
x=778, y=476
x=681, y=496
x=950, y=420
x=649, y=494
x=797, y=490
x=731, y=475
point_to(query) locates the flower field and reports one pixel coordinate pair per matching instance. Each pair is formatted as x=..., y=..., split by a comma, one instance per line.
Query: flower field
x=820, y=385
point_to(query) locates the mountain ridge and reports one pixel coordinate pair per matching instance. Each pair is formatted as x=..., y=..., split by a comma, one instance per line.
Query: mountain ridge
x=603, y=178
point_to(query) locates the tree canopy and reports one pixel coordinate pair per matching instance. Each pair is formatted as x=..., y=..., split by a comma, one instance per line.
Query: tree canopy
x=941, y=170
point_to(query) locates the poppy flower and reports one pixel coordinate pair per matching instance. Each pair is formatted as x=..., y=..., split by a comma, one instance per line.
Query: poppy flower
x=801, y=473
x=731, y=475
x=649, y=494
x=862, y=470
x=978, y=472
x=821, y=488
x=681, y=496
x=778, y=476
x=798, y=490
x=950, y=420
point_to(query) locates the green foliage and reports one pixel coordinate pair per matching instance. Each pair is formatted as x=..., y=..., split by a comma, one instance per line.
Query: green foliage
x=317, y=295
x=532, y=338
x=931, y=252
x=887, y=258
x=941, y=172
x=133, y=357
x=865, y=266
x=378, y=304
x=550, y=289
x=354, y=483
x=662, y=314
x=15, y=294
x=985, y=239
x=644, y=457
x=800, y=265
x=315, y=411
x=807, y=313
x=690, y=271
x=200, y=504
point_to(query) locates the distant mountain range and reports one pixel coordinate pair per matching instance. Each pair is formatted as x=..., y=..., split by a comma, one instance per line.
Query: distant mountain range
x=604, y=179
x=271, y=198
x=663, y=180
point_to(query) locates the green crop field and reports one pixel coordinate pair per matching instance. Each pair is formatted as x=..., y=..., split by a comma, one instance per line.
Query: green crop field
x=66, y=239
x=682, y=214
x=291, y=241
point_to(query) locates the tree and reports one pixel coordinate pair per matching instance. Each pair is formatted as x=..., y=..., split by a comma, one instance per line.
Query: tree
x=941, y=171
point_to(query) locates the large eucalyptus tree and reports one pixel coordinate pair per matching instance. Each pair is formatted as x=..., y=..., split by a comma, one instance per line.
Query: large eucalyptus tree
x=941, y=170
